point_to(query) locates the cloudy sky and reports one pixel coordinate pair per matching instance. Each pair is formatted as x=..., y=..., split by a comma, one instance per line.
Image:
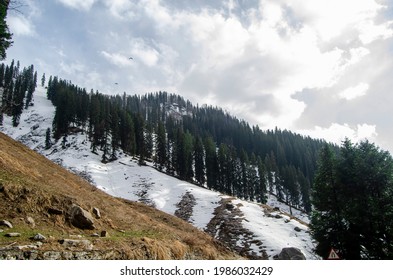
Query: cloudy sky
x=317, y=67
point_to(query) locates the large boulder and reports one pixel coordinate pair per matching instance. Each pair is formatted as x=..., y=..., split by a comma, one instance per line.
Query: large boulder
x=81, y=218
x=291, y=253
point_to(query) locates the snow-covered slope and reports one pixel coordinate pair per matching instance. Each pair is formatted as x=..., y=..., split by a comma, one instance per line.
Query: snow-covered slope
x=260, y=231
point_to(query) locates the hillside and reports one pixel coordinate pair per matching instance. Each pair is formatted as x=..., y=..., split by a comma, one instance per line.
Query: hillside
x=37, y=196
x=253, y=230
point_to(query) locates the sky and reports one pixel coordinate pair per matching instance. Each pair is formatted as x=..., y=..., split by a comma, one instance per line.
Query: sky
x=317, y=67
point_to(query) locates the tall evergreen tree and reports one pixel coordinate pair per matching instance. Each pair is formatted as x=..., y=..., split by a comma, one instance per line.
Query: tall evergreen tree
x=5, y=35
x=161, y=149
x=211, y=163
x=48, y=142
x=199, y=161
x=43, y=80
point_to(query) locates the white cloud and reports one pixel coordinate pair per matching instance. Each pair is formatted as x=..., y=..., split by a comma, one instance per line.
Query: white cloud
x=332, y=18
x=141, y=51
x=117, y=59
x=159, y=13
x=337, y=133
x=84, y=5
x=371, y=32
x=72, y=68
x=122, y=9
x=20, y=25
x=354, y=92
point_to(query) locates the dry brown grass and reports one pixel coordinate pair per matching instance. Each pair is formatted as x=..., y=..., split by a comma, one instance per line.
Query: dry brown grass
x=30, y=185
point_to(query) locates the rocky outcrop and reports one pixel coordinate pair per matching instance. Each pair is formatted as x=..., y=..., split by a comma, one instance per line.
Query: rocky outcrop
x=80, y=218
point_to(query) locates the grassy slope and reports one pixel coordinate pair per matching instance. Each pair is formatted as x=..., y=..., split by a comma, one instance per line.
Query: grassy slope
x=30, y=184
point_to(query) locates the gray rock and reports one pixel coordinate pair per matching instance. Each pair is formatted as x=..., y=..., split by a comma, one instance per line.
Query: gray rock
x=97, y=213
x=5, y=223
x=38, y=237
x=31, y=246
x=80, y=218
x=52, y=255
x=291, y=253
x=80, y=244
x=104, y=233
x=12, y=234
x=298, y=229
x=30, y=221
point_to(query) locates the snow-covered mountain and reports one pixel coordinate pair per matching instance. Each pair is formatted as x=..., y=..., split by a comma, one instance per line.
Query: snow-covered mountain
x=253, y=230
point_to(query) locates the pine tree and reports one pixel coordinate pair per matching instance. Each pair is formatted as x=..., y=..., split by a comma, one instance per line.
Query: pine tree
x=199, y=161
x=327, y=219
x=48, y=142
x=261, y=192
x=211, y=163
x=43, y=80
x=161, y=149
x=140, y=138
x=5, y=35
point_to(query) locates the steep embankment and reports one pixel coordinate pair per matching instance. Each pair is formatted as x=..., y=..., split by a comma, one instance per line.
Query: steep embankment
x=38, y=196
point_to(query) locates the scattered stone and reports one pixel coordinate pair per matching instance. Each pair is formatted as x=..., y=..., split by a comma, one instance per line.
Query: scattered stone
x=30, y=221
x=290, y=253
x=38, y=237
x=52, y=255
x=5, y=223
x=278, y=216
x=1, y=230
x=54, y=211
x=95, y=235
x=80, y=218
x=298, y=229
x=104, y=233
x=97, y=213
x=31, y=246
x=80, y=244
x=12, y=234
